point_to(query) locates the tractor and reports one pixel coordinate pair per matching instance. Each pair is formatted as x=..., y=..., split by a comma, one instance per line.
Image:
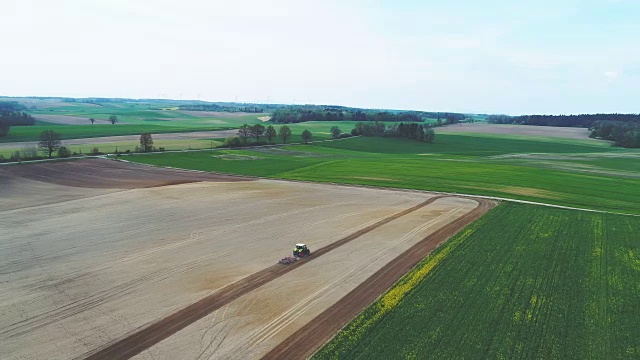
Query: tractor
x=301, y=250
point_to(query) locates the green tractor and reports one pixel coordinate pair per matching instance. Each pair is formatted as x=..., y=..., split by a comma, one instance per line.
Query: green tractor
x=301, y=251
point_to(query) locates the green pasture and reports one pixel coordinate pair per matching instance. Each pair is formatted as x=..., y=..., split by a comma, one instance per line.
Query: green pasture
x=147, y=114
x=502, y=167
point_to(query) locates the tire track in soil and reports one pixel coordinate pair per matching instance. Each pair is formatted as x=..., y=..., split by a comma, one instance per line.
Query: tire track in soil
x=271, y=329
x=140, y=340
x=109, y=294
x=308, y=339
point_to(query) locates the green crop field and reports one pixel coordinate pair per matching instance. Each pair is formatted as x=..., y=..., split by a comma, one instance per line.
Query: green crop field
x=522, y=282
x=566, y=173
x=136, y=113
x=133, y=119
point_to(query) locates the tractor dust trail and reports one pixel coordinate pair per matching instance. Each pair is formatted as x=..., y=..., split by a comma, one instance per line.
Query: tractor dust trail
x=316, y=332
x=143, y=339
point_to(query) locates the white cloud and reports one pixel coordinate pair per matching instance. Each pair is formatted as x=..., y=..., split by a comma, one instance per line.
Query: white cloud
x=611, y=75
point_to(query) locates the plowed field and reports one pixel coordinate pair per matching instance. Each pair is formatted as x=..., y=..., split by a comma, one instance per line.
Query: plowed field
x=114, y=248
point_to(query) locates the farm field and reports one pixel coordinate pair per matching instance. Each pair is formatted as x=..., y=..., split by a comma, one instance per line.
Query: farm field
x=107, y=138
x=72, y=119
x=569, y=172
x=31, y=133
x=108, y=144
x=113, y=247
x=522, y=282
x=522, y=130
x=132, y=113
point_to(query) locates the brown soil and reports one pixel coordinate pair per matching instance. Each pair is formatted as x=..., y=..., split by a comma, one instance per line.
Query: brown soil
x=106, y=174
x=88, y=266
x=309, y=338
x=128, y=251
x=141, y=340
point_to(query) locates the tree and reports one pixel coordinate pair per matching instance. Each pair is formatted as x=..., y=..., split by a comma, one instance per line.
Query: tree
x=257, y=130
x=244, y=132
x=113, y=119
x=306, y=136
x=285, y=133
x=4, y=127
x=270, y=133
x=29, y=152
x=429, y=135
x=335, y=132
x=146, y=142
x=92, y=120
x=232, y=142
x=49, y=142
x=64, y=152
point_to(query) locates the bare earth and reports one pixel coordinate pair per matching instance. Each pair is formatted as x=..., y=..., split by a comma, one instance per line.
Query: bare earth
x=82, y=271
x=528, y=130
x=258, y=321
x=197, y=135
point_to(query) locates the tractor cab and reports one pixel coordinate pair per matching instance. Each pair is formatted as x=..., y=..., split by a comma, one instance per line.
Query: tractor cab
x=301, y=250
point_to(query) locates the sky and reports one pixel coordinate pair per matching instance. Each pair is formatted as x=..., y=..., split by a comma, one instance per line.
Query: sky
x=511, y=57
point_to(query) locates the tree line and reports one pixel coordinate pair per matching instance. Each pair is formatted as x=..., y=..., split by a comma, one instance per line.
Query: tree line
x=11, y=114
x=622, y=129
x=263, y=135
x=297, y=114
x=584, y=120
x=623, y=134
x=50, y=142
x=410, y=130
x=231, y=107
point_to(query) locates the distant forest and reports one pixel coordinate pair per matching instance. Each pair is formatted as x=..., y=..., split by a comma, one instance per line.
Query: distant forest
x=625, y=134
x=622, y=129
x=11, y=115
x=193, y=105
x=232, y=107
x=297, y=114
x=585, y=121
